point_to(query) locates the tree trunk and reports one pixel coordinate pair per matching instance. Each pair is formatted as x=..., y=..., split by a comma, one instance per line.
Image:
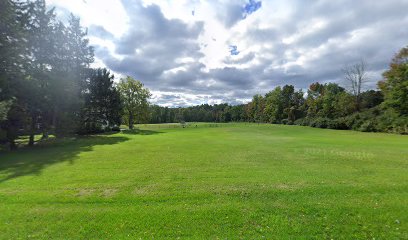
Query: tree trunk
x=358, y=103
x=45, y=134
x=31, y=140
x=32, y=132
x=130, y=120
x=54, y=118
x=11, y=136
x=45, y=127
x=12, y=145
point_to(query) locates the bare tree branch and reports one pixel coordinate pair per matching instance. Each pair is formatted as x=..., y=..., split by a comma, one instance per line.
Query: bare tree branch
x=356, y=76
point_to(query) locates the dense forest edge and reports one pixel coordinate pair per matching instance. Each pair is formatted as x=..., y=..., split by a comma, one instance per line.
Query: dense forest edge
x=47, y=87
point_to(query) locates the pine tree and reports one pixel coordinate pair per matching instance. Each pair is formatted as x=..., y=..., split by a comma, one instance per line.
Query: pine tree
x=102, y=108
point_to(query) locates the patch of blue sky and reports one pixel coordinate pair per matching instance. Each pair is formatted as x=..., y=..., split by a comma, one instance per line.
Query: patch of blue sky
x=251, y=7
x=234, y=50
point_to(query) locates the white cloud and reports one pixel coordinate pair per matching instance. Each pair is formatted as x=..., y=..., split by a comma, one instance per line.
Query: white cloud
x=181, y=49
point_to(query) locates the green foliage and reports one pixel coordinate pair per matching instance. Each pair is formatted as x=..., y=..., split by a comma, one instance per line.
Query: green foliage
x=338, y=123
x=283, y=105
x=320, y=122
x=134, y=97
x=371, y=98
x=370, y=120
x=274, y=106
x=326, y=106
x=329, y=101
x=103, y=108
x=16, y=120
x=4, y=108
x=255, y=108
x=44, y=65
x=200, y=113
x=343, y=104
x=376, y=119
x=395, y=85
x=330, y=106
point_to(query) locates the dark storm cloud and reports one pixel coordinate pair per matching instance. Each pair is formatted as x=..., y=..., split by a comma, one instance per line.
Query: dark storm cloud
x=323, y=36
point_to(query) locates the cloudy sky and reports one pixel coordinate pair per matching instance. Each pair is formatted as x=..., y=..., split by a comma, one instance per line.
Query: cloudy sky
x=207, y=51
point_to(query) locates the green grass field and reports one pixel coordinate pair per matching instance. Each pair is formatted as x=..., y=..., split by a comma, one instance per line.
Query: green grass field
x=232, y=181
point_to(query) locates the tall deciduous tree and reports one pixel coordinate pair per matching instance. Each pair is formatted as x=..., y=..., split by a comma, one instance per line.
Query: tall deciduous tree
x=395, y=84
x=314, y=100
x=356, y=76
x=135, y=100
x=273, y=108
x=283, y=104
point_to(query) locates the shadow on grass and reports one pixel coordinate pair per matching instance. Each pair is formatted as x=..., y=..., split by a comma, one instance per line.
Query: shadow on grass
x=31, y=161
x=140, y=132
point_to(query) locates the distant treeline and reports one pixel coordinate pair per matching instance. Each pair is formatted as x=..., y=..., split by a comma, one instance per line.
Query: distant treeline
x=201, y=113
x=323, y=105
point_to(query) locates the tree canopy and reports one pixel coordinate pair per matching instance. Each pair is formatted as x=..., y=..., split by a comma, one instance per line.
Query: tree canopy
x=395, y=83
x=135, y=100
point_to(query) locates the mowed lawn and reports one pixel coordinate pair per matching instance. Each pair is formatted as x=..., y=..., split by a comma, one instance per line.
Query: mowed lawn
x=232, y=181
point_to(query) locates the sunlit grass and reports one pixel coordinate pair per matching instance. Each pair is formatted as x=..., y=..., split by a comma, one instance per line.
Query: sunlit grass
x=209, y=181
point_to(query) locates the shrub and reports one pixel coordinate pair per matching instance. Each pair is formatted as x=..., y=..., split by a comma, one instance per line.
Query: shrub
x=319, y=122
x=90, y=128
x=287, y=122
x=339, y=123
x=400, y=125
x=302, y=122
x=375, y=119
x=368, y=126
x=115, y=129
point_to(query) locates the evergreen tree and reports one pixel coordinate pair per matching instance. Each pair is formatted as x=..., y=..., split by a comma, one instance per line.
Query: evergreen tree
x=12, y=59
x=102, y=108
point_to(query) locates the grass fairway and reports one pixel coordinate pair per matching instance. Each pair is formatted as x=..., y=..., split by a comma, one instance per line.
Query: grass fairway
x=232, y=181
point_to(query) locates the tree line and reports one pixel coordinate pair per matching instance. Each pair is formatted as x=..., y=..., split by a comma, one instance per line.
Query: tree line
x=323, y=105
x=46, y=83
x=47, y=86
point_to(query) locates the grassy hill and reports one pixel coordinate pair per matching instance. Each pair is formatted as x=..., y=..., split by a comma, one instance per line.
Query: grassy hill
x=209, y=181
